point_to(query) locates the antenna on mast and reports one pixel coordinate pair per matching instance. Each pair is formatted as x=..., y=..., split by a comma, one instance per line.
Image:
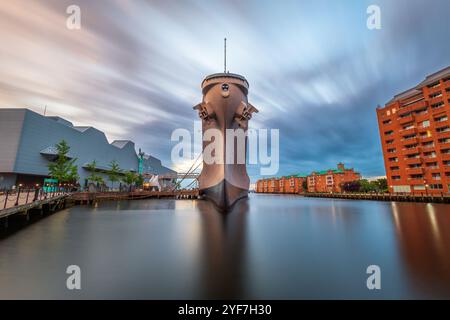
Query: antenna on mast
x=225, y=55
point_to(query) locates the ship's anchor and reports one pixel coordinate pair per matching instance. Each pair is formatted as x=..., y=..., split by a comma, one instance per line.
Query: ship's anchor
x=205, y=111
x=244, y=113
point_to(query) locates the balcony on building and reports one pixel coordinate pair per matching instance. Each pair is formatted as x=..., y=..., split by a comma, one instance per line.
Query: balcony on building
x=405, y=118
x=416, y=177
x=411, y=150
x=409, y=140
x=392, y=150
x=445, y=144
x=426, y=138
x=428, y=146
x=440, y=119
x=437, y=107
x=436, y=176
x=389, y=133
x=393, y=159
x=414, y=171
x=433, y=172
x=408, y=132
x=446, y=164
x=418, y=105
x=443, y=132
x=429, y=156
x=435, y=91
x=387, y=124
x=394, y=169
x=413, y=160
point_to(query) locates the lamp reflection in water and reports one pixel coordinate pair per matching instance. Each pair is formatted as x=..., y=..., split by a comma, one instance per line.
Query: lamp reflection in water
x=424, y=243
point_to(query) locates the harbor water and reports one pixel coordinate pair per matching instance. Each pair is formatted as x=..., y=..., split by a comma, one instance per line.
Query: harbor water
x=268, y=247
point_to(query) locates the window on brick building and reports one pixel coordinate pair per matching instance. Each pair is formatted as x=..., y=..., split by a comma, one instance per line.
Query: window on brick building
x=435, y=95
x=426, y=124
x=437, y=105
x=441, y=119
x=443, y=129
x=434, y=85
x=436, y=176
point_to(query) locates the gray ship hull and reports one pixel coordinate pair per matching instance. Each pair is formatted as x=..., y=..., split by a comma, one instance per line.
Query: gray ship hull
x=224, y=195
x=225, y=106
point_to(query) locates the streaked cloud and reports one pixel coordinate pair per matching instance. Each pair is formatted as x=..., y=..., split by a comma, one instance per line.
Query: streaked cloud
x=135, y=67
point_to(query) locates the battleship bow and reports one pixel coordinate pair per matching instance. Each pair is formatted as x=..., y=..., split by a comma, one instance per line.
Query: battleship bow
x=225, y=106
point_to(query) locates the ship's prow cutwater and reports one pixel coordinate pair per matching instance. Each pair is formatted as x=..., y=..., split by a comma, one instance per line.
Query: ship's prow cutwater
x=225, y=106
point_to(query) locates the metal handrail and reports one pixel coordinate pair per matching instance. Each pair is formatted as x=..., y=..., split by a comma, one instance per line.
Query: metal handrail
x=29, y=195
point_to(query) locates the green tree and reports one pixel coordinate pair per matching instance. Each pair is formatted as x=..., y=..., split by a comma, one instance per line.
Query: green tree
x=382, y=185
x=367, y=186
x=139, y=180
x=130, y=178
x=114, y=172
x=63, y=169
x=351, y=186
x=94, y=177
x=305, y=185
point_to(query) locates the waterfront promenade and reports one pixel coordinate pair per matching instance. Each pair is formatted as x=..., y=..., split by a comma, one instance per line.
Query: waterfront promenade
x=84, y=197
x=431, y=198
x=11, y=199
x=22, y=202
x=395, y=197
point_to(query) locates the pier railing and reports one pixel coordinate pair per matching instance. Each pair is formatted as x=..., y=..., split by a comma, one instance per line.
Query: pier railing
x=14, y=198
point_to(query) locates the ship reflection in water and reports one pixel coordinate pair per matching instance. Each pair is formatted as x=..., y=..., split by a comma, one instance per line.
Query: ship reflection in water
x=268, y=247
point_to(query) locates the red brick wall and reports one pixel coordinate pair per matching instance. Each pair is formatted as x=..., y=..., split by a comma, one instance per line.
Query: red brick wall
x=420, y=164
x=331, y=182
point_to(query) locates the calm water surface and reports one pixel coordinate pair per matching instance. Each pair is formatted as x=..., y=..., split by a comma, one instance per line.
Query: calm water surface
x=269, y=247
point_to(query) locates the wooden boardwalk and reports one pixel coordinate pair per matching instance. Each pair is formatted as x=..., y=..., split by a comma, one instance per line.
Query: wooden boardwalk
x=25, y=203
x=427, y=198
x=384, y=197
x=44, y=204
x=90, y=197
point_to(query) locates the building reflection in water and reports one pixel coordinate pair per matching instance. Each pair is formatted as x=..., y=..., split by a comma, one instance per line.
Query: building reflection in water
x=424, y=243
x=223, y=250
x=268, y=247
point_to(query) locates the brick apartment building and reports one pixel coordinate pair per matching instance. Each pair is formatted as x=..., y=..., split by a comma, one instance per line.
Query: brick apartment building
x=415, y=136
x=321, y=181
x=330, y=180
x=287, y=184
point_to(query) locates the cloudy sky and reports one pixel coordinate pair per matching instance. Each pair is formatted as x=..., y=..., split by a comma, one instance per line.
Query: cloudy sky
x=134, y=68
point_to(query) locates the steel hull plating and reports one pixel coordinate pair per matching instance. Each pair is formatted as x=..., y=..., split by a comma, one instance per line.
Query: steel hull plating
x=224, y=195
x=224, y=106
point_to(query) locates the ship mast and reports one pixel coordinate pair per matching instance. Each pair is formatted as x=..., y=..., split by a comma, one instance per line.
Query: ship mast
x=225, y=55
